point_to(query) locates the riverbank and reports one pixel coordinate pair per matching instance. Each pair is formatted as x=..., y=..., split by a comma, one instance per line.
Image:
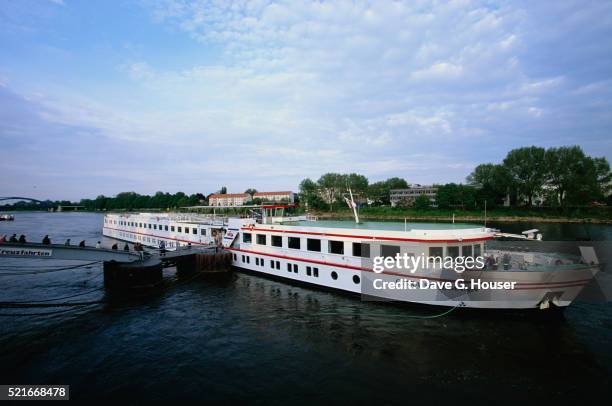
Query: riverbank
x=596, y=215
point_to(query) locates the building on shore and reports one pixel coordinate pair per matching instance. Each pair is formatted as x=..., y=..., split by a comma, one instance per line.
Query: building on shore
x=406, y=197
x=278, y=197
x=240, y=199
x=228, y=199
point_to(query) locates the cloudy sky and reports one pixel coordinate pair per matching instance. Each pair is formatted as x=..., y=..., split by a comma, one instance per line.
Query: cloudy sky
x=98, y=97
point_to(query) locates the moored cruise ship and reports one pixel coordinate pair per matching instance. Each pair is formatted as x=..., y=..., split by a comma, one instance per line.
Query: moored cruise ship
x=342, y=258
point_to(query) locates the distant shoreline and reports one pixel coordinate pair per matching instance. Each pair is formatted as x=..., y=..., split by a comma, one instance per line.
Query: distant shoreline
x=442, y=217
x=467, y=218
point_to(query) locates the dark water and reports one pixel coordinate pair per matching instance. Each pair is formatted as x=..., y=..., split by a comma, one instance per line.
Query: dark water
x=246, y=338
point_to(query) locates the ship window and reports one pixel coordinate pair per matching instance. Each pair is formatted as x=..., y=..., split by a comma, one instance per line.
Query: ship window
x=235, y=256
x=356, y=279
x=435, y=252
x=312, y=244
x=466, y=250
x=288, y=267
x=334, y=275
x=272, y=264
x=256, y=261
x=277, y=241
x=294, y=243
x=186, y=230
x=308, y=271
x=361, y=250
x=203, y=231
x=246, y=238
x=336, y=247
x=171, y=228
x=154, y=226
x=452, y=251
x=477, y=250
x=195, y=231
x=315, y=272
x=179, y=229
x=278, y=265
x=248, y=260
x=295, y=268
x=389, y=250
x=243, y=258
x=261, y=239
x=150, y=226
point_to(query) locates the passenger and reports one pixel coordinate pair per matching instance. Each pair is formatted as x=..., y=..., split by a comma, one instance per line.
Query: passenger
x=98, y=245
x=67, y=243
x=22, y=239
x=188, y=245
x=82, y=244
x=13, y=238
x=126, y=247
x=46, y=240
x=162, y=248
x=115, y=247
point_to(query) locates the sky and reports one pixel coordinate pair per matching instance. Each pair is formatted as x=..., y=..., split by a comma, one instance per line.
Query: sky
x=99, y=97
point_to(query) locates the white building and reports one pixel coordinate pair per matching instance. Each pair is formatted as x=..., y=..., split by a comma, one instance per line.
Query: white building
x=229, y=199
x=288, y=197
x=409, y=195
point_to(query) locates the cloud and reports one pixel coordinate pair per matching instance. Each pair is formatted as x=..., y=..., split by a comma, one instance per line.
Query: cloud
x=421, y=90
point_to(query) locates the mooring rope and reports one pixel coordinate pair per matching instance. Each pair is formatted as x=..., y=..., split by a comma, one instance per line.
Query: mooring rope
x=32, y=271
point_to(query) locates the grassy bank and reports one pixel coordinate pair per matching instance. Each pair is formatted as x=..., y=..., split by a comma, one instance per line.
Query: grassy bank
x=573, y=215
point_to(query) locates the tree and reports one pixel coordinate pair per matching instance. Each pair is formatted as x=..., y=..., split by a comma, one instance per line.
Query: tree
x=453, y=195
x=493, y=182
x=251, y=192
x=329, y=186
x=527, y=169
x=309, y=194
x=422, y=202
x=222, y=191
x=379, y=192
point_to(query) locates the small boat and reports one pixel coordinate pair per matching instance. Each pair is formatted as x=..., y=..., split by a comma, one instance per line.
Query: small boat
x=7, y=217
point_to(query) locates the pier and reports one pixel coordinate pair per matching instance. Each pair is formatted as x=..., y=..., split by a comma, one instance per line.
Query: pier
x=127, y=269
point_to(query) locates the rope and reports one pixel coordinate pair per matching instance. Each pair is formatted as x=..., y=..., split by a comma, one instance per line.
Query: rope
x=43, y=314
x=26, y=305
x=47, y=270
x=52, y=300
x=435, y=316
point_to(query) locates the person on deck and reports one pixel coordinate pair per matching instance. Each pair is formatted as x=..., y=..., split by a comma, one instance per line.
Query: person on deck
x=82, y=244
x=98, y=245
x=46, y=240
x=67, y=243
x=115, y=246
x=162, y=247
x=13, y=238
x=22, y=239
x=126, y=247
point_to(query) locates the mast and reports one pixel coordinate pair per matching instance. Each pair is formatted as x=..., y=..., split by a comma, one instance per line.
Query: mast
x=353, y=206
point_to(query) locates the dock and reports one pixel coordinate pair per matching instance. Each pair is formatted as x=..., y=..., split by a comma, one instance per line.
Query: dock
x=127, y=269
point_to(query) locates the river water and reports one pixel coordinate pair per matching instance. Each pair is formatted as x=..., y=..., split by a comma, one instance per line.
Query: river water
x=247, y=338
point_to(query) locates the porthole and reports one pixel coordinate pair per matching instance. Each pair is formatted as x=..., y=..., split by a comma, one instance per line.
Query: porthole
x=356, y=279
x=334, y=275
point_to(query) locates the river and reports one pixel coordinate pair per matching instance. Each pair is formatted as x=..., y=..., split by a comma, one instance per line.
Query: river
x=247, y=338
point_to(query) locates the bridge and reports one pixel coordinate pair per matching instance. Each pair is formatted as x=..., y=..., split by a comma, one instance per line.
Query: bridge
x=20, y=198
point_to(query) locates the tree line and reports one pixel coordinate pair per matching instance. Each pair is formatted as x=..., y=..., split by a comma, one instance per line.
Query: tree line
x=553, y=177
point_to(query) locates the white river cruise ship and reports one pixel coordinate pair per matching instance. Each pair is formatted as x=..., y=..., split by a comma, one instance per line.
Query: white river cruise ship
x=342, y=258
